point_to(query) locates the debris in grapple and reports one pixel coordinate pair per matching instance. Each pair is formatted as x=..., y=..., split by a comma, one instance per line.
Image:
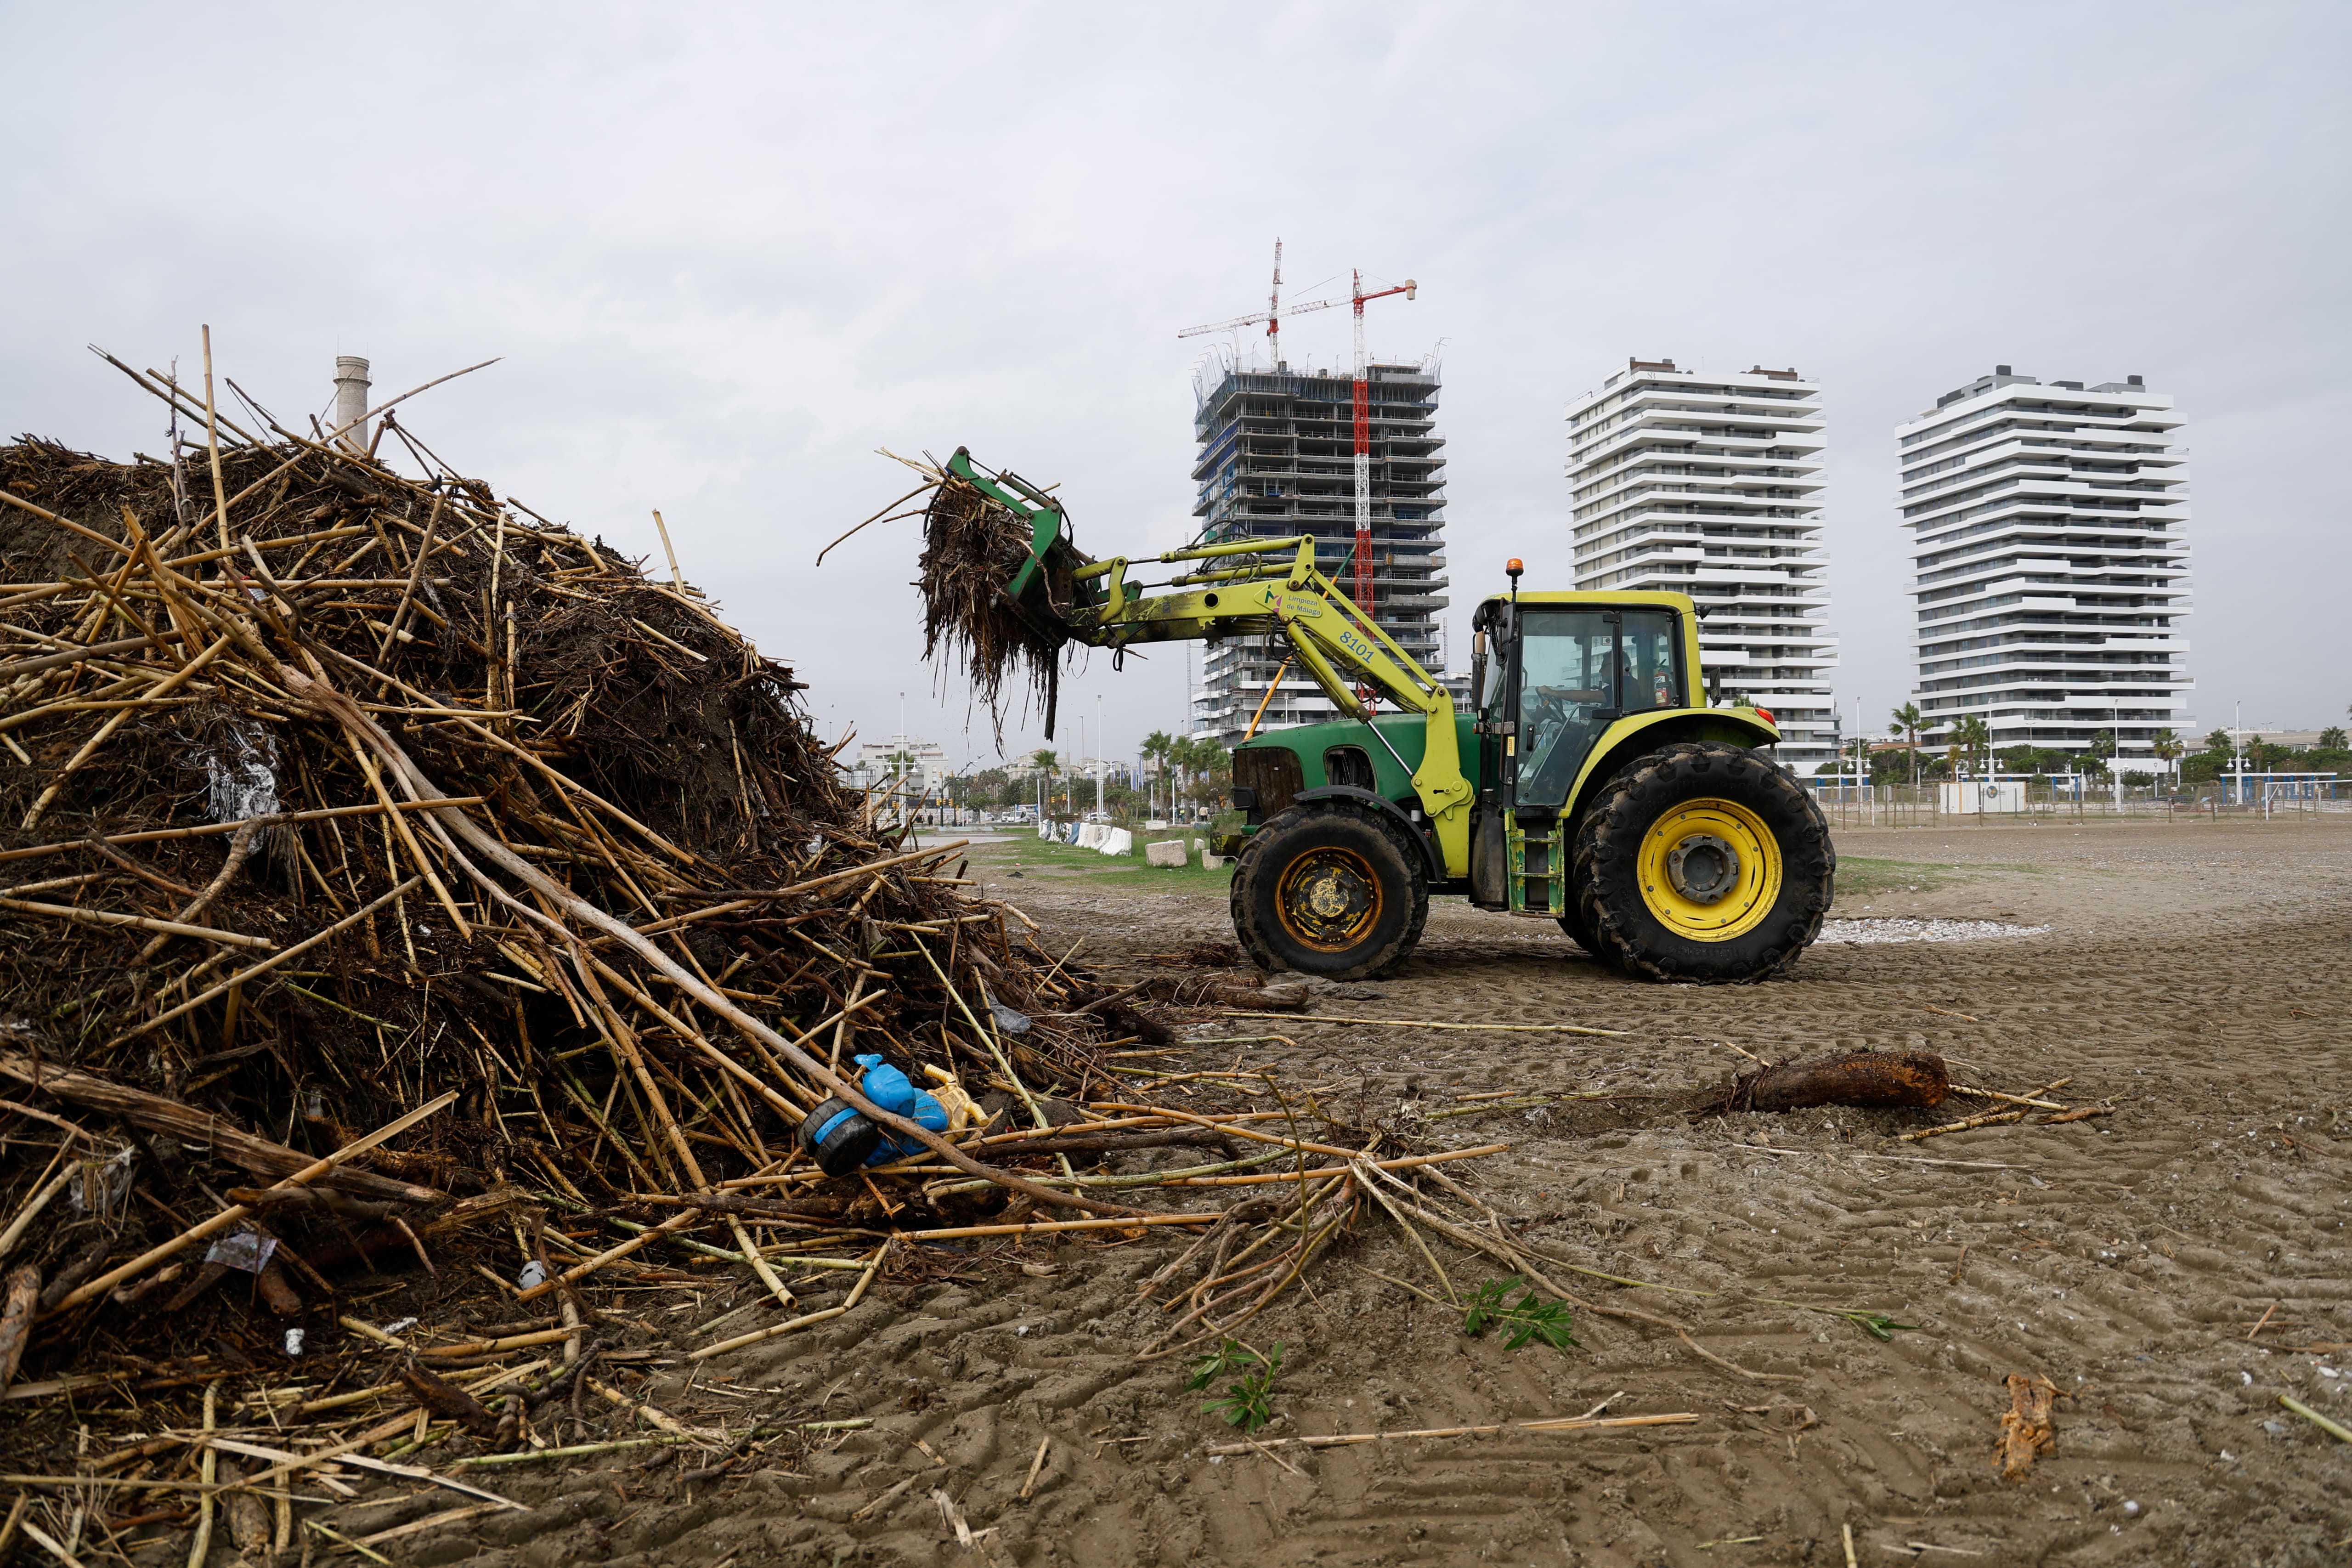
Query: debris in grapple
x=974, y=553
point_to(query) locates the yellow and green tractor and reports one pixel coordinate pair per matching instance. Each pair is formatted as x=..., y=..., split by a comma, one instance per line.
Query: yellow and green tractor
x=1593, y=780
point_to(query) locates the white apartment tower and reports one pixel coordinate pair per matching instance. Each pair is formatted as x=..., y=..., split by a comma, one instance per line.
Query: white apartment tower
x=1706, y=485
x=2051, y=576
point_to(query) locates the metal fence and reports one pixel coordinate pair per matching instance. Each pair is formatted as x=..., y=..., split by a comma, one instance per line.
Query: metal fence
x=2012, y=797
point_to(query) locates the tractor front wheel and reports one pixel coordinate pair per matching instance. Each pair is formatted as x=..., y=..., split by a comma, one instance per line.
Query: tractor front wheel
x=1329, y=889
x=1702, y=861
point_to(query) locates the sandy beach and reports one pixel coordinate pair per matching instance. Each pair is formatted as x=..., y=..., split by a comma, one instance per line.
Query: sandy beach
x=2172, y=1268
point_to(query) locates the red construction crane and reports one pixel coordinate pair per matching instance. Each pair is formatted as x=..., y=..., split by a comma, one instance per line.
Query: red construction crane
x=1363, y=573
x=1360, y=573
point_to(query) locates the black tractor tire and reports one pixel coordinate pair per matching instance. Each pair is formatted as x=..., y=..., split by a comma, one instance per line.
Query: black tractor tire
x=1575, y=928
x=1330, y=888
x=1620, y=899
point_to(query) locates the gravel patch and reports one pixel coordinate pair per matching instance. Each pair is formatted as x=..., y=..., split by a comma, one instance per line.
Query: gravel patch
x=1863, y=932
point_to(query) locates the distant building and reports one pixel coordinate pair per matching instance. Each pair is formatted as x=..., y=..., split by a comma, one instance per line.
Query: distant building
x=922, y=760
x=2052, y=572
x=1707, y=485
x=1276, y=458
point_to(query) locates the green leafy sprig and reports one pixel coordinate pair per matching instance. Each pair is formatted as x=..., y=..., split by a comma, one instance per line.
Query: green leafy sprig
x=1529, y=1318
x=1247, y=1402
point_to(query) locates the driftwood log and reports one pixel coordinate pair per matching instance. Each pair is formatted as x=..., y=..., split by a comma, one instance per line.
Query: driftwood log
x=2027, y=1431
x=1876, y=1080
x=446, y=1400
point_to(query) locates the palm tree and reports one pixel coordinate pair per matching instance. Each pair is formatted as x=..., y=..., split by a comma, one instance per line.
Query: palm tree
x=1156, y=747
x=1048, y=765
x=1183, y=752
x=1908, y=722
x=1972, y=738
x=2166, y=745
x=1198, y=759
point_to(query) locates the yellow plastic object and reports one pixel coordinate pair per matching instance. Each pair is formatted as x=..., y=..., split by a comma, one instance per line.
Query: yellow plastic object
x=961, y=1110
x=1753, y=892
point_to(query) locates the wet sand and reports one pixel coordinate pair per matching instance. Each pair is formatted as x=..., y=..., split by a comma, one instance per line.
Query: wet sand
x=2195, y=977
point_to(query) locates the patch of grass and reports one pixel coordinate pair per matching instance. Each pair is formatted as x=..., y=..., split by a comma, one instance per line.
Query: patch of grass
x=1858, y=876
x=1060, y=864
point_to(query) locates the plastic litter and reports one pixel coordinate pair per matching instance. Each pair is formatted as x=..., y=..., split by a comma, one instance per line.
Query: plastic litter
x=239, y=773
x=841, y=1138
x=104, y=1185
x=293, y=1341
x=243, y=1247
x=532, y=1276
x=891, y=1089
x=1011, y=1022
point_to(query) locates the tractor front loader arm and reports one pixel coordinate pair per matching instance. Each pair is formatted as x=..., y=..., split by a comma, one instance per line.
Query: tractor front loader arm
x=1246, y=588
x=1242, y=588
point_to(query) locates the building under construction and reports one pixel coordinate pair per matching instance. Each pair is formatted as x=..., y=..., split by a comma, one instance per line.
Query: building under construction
x=1277, y=458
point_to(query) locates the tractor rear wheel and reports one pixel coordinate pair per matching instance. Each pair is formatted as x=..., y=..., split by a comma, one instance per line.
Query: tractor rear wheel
x=1329, y=889
x=1702, y=861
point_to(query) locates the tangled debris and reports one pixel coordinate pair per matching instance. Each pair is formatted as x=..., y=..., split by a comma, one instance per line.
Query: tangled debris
x=422, y=931
x=973, y=546
x=339, y=799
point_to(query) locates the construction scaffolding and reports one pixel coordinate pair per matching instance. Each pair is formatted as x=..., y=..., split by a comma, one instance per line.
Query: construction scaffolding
x=1277, y=458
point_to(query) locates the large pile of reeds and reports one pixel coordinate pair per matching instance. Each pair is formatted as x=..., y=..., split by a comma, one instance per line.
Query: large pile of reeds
x=420, y=932
x=333, y=796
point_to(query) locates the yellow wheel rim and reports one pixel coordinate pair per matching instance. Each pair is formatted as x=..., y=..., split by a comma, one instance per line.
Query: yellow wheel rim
x=1710, y=870
x=1329, y=899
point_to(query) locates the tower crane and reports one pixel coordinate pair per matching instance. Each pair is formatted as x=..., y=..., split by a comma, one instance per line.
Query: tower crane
x=1360, y=570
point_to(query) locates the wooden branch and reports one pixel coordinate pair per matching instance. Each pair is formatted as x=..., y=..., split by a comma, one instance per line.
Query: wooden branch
x=107, y=918
x=185, y=1124
x=206, y=829
x=1991, y=1119
x=241, y=977
x=77, y=656
x=1561, y=1424
x=229, y=1216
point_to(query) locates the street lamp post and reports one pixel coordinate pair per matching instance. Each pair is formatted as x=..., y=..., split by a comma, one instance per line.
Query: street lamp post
x=2115, y=717
x=2238, y=745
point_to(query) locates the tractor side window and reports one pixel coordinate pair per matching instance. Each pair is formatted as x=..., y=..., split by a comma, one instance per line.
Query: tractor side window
x=1568, y=674
x=1649, y=650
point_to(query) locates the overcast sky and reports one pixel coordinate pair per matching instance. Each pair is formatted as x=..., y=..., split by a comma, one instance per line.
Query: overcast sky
x=727, y=251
